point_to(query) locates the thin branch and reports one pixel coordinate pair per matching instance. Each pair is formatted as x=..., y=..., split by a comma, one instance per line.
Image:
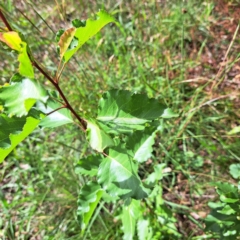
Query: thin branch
x=53, y=81
x=45, y=74
x=29, y=20
x=60, y=72
x=55, y=84
x=55, y=110
x=5, y=21
x=57, y=100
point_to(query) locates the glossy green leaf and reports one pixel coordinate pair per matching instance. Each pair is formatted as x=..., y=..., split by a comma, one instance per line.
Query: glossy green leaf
x=55, y=119
x=17, y=133
x=20, y=96
x=89, y=166
x=14, y=41
x=140, y=143
x=82, y=33
x=129, y=216
x=97, y=137
x=89, y=197
x=235, y=170
x=118, y=175
x=121, y=109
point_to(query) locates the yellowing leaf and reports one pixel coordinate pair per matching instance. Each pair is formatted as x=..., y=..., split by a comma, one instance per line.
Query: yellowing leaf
x=65, y=40
x=12, y=39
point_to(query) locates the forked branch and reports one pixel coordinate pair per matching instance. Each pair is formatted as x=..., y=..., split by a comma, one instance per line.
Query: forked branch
x=52, y=80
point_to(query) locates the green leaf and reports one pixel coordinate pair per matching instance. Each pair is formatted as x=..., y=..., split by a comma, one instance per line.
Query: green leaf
x=59, y=34
x=78, y=23
x=88, y=199
x=129, y=216
x=25, y=65
x=219, y=219
x=225, y=188
x=214, y=205
x=228, y=200
x=14, y=41
x=226, y=224
x=140, y=143
x=227, y=210
x=235, y=170
x=82, y=33
x=117, y=174
x=224, y=218
x=20, y=96
x=55, y=119
x=89, y=166
x=97, y=137
x=121, y=109
x=17, y=136
x=168, y=113
x=9, y=126
x=156, y=175
x=228, y=192
x=116, y=129
x=143, y=229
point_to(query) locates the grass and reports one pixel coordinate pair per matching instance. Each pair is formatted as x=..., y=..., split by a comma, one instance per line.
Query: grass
x=174, y=51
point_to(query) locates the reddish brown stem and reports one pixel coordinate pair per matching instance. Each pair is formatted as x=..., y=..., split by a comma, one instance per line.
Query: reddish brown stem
x=55, y=110
x=5, y=21
x=55, y=83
